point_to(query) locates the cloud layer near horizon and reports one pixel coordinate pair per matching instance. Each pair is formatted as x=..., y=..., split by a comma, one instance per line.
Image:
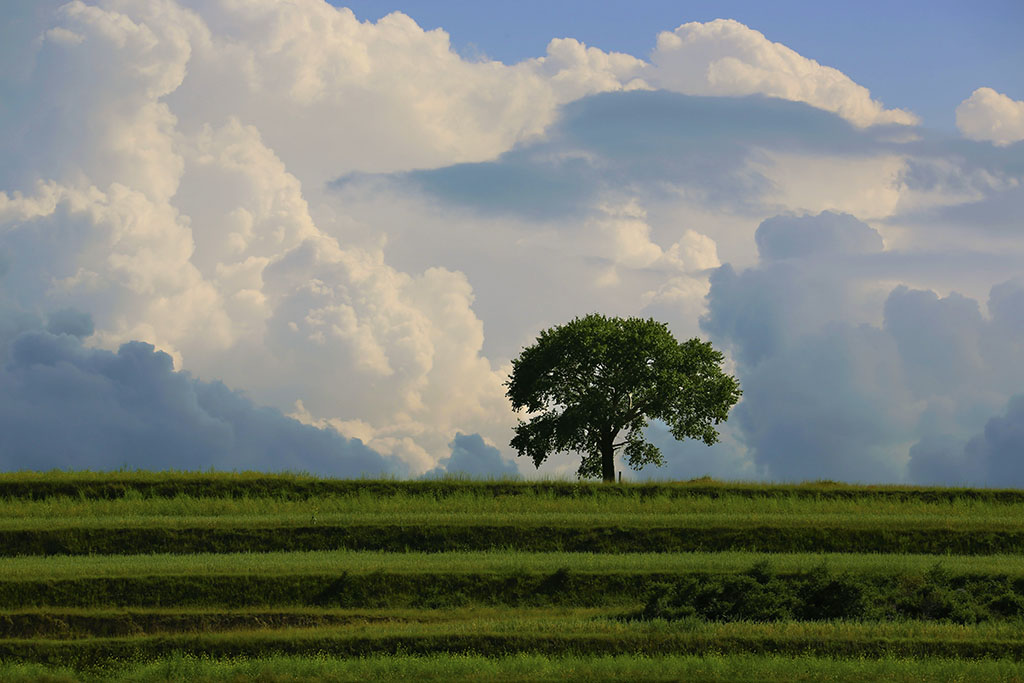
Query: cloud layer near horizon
x=359, y=228
x=67, y=406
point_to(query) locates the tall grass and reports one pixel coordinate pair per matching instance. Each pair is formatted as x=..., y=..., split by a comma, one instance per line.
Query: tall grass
x=538, y=622
x=300, y=486
x=90, y=653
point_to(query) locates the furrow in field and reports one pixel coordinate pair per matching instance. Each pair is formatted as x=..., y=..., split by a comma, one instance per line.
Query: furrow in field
x=101, y=651
x=347, y=561
x=111, y=622
x=108, y=622
x=524, y=537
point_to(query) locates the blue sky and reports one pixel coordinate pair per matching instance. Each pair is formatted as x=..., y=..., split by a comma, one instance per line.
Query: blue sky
x=296, y=236
x=922, y=56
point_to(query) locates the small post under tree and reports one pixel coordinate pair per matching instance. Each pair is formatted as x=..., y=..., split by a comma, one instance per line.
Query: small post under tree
x=598, y=379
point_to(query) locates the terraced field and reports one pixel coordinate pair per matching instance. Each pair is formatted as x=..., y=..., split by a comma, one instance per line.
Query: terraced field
x=161, y=576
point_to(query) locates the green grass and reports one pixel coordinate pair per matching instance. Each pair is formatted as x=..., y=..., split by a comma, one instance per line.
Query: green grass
x=137, y=576
x=529, y=667
x=547, y=637
x=469, y=535
x=535, y=621
x=808, y=586
x=542, y=507
x=110, y=622
x=39, y=485
x=336, y=562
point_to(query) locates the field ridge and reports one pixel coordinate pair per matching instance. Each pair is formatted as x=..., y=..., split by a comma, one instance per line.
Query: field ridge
x=101, y=574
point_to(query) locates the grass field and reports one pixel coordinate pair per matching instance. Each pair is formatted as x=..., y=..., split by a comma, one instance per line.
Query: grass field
x=172, y=576
x=543, y=507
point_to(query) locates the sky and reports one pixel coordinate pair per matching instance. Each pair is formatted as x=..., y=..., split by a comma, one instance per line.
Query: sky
x=305, y=237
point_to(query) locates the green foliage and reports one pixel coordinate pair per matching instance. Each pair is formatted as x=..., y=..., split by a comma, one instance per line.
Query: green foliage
x=595, y=378
x=762, y=594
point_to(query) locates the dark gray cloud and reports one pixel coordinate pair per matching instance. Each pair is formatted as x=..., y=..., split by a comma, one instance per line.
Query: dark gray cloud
x=70, y=321
x=939, y=459
x=1001, y=446
x=64, y=405
x=994, y=457
x=827, y=234
x=651, y=144
x=471, y=456
x=691, y=459
x=841, y=385
x=986, y=178
x=830, y=405
x=628, y=140
x=999, y=212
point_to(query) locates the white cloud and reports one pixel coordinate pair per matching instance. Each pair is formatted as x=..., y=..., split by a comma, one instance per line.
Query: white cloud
x=724, y=57
x=869, y=187
x=990, y=115
x=333, y=95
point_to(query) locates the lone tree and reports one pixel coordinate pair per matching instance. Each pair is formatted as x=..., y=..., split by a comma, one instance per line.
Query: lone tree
x=596, y=379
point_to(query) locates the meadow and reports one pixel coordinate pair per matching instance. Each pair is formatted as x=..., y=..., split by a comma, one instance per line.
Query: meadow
x=212, y=576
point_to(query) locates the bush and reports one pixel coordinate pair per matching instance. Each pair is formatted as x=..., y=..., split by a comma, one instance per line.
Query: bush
x=818, y=594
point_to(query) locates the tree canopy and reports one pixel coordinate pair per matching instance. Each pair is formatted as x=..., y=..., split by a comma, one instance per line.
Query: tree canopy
x=592, y=385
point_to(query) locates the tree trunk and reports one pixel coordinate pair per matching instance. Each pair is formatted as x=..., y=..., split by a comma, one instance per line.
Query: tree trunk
x=608, y=459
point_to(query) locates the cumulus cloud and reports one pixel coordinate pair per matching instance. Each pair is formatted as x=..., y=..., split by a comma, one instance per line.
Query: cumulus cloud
x=175, y=222
x=64, y=405
x=844, y=380
x=992, y=116
x=332, y=94
x=724, y=57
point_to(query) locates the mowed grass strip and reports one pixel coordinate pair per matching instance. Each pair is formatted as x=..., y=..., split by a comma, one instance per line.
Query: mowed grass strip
x=110, y=485
x=728, y=510
x=704, y=668
x=552, y=638
x=540, y=537
x=108, y=622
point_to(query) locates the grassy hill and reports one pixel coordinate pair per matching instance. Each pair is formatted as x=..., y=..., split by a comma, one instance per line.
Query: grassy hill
x=170, y=576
